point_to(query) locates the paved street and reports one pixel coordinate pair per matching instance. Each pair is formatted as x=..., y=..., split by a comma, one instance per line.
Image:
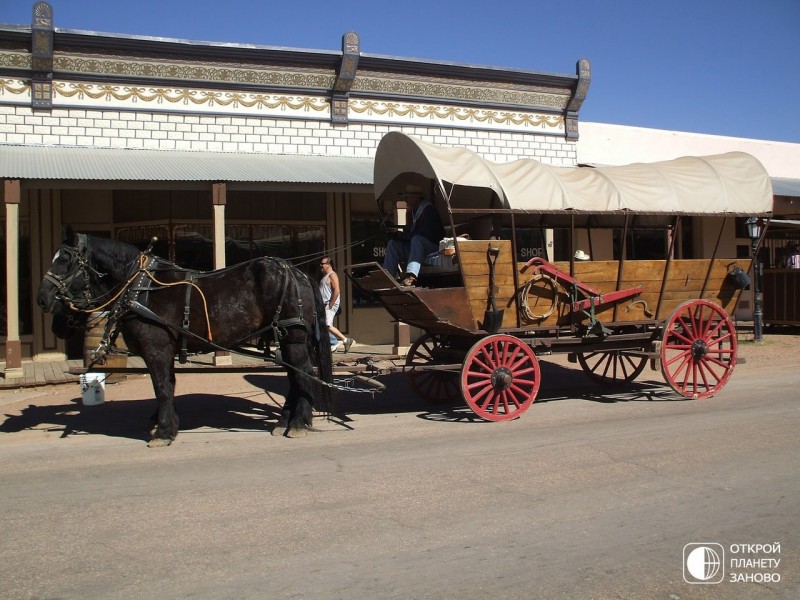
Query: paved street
x=591, y=494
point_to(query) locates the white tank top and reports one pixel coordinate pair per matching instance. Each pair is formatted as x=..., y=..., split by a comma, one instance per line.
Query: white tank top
x=326, y=291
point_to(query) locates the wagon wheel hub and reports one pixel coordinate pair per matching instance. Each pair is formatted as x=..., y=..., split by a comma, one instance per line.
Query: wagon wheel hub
x=699, y=350
x=502, y=378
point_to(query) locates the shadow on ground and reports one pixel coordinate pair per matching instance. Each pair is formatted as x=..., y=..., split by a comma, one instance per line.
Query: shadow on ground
x=133, y=418
x=259, y=410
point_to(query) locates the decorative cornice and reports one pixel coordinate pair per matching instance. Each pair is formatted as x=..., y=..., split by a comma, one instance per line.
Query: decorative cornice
x=183, y=71
x=407, y=87
x=460, y=89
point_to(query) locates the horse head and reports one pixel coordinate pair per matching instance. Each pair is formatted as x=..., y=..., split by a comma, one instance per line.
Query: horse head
x=83, y=273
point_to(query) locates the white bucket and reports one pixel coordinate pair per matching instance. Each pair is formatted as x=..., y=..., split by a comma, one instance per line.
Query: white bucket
x=93, y=388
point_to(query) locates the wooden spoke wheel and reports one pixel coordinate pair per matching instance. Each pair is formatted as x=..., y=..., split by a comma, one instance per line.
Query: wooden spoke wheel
x=614, y=367
x=500, y=377
x=430, y=384
x=698, y=351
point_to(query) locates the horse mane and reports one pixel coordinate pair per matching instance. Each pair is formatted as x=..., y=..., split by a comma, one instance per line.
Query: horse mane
x=112, y=256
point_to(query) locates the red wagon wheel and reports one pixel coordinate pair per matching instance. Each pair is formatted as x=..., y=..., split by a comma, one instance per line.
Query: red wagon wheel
x=430, y=384
x=698, y=352
x=615, y=367
x=500, y=377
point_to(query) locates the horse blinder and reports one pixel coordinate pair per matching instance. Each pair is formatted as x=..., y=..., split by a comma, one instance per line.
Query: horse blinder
x=76, y=272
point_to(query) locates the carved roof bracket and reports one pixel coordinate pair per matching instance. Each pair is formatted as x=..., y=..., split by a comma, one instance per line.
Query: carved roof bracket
x=346, y=74
x=584, y=70
x=42, y=56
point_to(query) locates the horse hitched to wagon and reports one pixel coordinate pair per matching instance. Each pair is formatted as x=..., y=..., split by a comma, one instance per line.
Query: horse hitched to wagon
x=487, y=311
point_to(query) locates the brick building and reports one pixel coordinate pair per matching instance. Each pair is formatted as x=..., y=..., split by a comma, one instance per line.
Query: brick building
x=225, y=152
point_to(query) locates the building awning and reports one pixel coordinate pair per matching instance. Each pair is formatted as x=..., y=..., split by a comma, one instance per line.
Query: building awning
x=783, y=186
x=114, y=164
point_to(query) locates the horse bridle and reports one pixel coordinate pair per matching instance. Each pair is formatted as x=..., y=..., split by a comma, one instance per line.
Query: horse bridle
x=79, y=266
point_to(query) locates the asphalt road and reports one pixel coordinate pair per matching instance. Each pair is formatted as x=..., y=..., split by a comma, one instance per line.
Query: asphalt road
x=591, y=494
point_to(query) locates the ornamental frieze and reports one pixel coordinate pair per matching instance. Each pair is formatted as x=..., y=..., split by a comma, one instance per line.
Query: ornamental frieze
x=199, y=101
x=283, y=77
x=519, y=95
x=188, y=97
x=466, y=117
x=16, y=60
x=14, y=86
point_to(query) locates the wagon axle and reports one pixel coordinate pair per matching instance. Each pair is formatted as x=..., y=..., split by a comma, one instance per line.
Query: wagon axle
x=699, y=350
x=502, y=379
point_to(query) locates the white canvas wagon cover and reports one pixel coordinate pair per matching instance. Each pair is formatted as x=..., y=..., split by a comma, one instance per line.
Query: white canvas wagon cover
x=734, y=183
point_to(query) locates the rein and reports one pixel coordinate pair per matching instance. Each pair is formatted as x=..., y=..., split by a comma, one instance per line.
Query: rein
x=82, y=265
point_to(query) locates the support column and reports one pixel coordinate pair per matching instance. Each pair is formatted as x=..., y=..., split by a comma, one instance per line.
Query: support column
x=11, y=199
x=402, y=331
x=402, y=338
x=219, y=197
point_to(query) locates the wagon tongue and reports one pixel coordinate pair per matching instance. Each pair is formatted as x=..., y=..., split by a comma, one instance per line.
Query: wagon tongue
x=492, y=318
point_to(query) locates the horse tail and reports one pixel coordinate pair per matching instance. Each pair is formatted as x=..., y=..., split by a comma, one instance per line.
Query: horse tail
x=324, y=356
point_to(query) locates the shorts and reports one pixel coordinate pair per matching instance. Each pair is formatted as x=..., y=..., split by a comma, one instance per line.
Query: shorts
x=330, y=313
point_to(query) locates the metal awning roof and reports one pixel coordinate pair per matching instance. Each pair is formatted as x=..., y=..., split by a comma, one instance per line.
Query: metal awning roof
x=783, y=186
x=113, y=164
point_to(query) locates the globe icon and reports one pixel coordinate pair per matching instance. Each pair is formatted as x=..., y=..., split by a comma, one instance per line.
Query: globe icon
x=703, y=563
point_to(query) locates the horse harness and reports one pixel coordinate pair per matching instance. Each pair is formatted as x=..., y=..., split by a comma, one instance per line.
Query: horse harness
x=79, y=266
x=135, y=300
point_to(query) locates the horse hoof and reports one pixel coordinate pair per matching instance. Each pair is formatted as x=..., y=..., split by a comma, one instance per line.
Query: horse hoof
x=278, y=430
x=297, y=433
x=159, y=443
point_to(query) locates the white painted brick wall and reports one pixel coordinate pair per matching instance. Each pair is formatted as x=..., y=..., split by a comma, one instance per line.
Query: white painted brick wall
x=218, y=133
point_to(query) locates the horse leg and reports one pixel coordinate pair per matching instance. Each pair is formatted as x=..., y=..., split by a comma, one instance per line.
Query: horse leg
x=301, y=387
x=289, y=406
x=162, y=374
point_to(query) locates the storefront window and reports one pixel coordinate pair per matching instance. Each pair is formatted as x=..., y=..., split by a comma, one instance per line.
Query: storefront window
x=530, y=242
x=302, y=245
x=642, y=244
x=369, y=245
x=142, y=236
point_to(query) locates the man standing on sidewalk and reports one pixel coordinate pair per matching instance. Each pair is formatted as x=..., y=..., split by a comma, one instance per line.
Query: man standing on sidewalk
x=329, y=288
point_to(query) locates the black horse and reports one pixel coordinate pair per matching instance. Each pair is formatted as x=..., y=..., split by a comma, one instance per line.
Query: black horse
x=163, y=311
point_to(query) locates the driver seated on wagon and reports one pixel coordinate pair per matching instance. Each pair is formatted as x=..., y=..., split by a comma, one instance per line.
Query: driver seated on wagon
x=419, y=238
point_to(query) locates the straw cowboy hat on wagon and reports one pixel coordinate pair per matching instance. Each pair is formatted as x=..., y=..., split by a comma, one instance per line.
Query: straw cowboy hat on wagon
x=581, y=255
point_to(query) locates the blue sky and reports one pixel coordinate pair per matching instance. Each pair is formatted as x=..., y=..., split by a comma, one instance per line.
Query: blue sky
x=725, y=67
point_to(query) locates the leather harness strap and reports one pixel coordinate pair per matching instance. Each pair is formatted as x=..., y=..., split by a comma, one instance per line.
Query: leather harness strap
x=184, y=354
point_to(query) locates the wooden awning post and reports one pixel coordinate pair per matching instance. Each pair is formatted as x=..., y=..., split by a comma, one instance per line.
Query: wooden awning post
x=219, y=198
x=11, y=199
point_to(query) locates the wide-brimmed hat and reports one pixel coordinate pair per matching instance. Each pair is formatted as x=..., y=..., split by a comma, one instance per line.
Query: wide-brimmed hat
x=581, y=255
x=412, y=190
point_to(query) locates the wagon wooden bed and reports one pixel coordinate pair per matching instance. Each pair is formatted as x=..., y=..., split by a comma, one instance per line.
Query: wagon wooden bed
x=485, y=327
